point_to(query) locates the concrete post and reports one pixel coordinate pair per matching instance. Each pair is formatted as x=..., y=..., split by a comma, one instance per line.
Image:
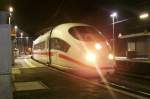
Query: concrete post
x=4, y=17
x=5, y=62
x=148, y=47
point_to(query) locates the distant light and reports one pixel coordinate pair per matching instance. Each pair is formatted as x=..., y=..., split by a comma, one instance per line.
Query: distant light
x=21, y=34
x=119, y=35
x=114, y=14
x=11, y=9
x=16, y=27
x=144, y=16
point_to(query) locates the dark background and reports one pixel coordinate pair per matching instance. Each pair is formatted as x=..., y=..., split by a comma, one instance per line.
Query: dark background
x=34, y=15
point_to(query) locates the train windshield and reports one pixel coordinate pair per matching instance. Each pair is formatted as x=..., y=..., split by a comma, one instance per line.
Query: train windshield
x=86, y=33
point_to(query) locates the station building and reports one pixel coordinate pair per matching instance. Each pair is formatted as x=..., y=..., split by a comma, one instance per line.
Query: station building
x=137, y=45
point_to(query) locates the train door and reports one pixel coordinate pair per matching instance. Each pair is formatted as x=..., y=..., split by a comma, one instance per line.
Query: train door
x=62, y=55
x=54, y=57
x=59, y=48
x=53, y=51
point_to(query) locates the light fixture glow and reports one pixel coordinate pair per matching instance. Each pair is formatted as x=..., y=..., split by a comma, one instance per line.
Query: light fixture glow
x=11, y=9
x=144, y=16
x=21, y=34
x=111, y=56
x=16, y=27
x=114, y=14
x=98, y=46
x=119, y=35
x=91, y=57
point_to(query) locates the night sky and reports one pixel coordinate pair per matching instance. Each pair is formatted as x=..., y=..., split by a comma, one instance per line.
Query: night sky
x=34, y=15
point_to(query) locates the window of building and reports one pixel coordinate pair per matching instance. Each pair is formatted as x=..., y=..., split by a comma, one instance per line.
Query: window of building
x=131, y=46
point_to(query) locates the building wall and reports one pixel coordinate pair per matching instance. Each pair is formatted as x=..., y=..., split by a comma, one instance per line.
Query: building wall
x=148, y=45
x=121, y=48
x=4, y=17
x=138, y=47
x=141, y=47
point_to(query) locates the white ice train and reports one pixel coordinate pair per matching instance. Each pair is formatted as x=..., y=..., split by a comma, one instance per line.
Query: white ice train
x=76, y=47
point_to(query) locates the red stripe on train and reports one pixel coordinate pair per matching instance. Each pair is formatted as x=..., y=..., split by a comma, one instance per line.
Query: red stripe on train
x=70, y=59
x=82, y=64
x=44, y=53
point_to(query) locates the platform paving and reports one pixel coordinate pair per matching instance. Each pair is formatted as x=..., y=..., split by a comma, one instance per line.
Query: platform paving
x=41, y=82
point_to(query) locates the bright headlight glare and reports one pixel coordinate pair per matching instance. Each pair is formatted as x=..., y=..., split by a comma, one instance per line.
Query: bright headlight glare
x=98, y=46
x=111, y=56
x=91, y=57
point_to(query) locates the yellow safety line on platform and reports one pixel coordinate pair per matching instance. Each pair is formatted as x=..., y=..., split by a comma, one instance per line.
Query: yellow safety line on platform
x=29, y=63
x=16, y=71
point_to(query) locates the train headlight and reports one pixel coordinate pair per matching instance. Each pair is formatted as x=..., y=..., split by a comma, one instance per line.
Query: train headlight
x=98, y=46
x=111, y=56
x=91, y=57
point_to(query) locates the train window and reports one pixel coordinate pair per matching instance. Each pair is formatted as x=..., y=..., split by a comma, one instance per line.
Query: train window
x=86, y=33
x=40, y=45
x=59, y=44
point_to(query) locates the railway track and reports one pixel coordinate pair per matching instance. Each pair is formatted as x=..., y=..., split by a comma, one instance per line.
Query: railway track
x=132, y=82
x=125, y=88
x=114, y=86
x=133, y=75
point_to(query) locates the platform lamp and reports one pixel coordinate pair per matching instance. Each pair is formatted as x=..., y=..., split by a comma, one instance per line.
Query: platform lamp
x=113, y=16
x=144, y=16
x=10, y=13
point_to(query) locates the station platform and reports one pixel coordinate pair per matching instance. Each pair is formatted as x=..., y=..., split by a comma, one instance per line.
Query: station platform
x=36, y=81
x=144, y=60
x=139, y=66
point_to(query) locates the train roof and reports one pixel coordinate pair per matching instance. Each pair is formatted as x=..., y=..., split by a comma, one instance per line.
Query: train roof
x=72, y=24
x=64, y=26
x=41, y=38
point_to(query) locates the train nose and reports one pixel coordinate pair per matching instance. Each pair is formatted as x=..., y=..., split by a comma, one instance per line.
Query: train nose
x=96, y=52
x=91, y=57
